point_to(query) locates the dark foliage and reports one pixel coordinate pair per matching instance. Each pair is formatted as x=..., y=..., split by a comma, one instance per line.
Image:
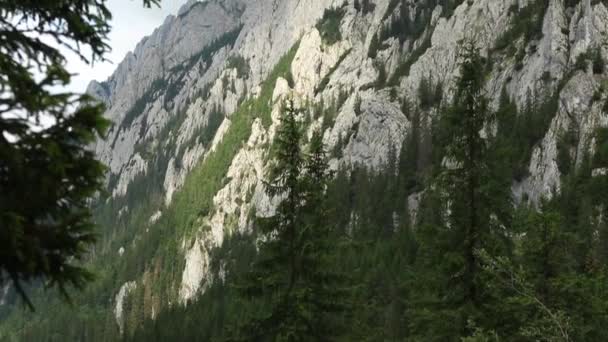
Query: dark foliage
x=329, y=25
x=48, y=175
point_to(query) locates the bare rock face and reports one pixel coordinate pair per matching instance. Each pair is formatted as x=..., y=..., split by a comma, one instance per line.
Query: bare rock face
x=4, y=291
x=124, y=291
x=136, y=93
x=214, y=56
x=474, y=21
x=379, y=133
x=197, y=266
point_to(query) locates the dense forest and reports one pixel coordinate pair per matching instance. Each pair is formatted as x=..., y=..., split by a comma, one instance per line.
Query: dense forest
x=433, y=245
x=468, y=263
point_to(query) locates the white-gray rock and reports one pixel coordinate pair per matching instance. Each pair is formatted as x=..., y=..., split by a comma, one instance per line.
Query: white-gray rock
x=124, y=291
x=369, y=126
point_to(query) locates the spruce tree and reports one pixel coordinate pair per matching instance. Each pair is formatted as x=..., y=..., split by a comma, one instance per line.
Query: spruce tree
x=298, y=293
x=454, y=286
x=545, y=258
x=48, y=175
x=530, y=282
x=326, y=286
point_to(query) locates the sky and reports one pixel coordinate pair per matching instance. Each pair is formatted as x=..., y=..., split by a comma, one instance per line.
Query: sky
x=130, y=23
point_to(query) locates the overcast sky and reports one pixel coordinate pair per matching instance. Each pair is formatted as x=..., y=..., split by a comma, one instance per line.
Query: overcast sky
x=131, y=22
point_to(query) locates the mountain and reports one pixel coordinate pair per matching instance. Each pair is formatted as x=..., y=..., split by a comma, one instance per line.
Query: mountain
x=195, y=108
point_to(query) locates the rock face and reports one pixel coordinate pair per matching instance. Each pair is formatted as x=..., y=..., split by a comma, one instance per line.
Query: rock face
x=4, y=291
x=172, y=99
x=120, y=300
x=197, y=265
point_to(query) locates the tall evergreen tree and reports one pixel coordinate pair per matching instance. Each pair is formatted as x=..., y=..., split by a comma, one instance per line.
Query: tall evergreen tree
x=545, y=258
x=292, y=279
x=325, y=285
x=471, y=221
x=47, y=173
x=275, y=273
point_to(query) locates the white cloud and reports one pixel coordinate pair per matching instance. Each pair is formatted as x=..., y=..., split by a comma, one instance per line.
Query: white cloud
x=130, y=23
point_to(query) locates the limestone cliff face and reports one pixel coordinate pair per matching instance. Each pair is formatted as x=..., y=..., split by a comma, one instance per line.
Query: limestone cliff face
x=215, y=54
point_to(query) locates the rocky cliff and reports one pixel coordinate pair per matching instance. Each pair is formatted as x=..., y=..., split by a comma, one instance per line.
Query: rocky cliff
x=194, y=108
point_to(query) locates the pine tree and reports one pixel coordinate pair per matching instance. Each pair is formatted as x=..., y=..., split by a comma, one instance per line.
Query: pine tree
x=48, y=175
x=464, y=182
x=454, y=283
x=272, y=279
x=326, y=287
x=528, y=281
x=292, y=280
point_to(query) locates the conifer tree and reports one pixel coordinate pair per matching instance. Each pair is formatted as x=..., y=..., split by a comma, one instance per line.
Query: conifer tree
x=455, y=292
x=274, y=274
x=326, y=286
x=545, y=258
x=292, y=280
x=48, y=175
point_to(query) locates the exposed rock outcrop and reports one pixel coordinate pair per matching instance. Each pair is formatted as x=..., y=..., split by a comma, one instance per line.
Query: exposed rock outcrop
x=213, y=56
x=124, y=291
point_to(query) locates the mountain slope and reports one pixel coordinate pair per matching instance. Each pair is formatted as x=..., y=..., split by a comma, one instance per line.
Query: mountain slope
x=195, y=107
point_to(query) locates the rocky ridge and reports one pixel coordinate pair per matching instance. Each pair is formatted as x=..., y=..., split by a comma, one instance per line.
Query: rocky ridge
x=214, y=56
